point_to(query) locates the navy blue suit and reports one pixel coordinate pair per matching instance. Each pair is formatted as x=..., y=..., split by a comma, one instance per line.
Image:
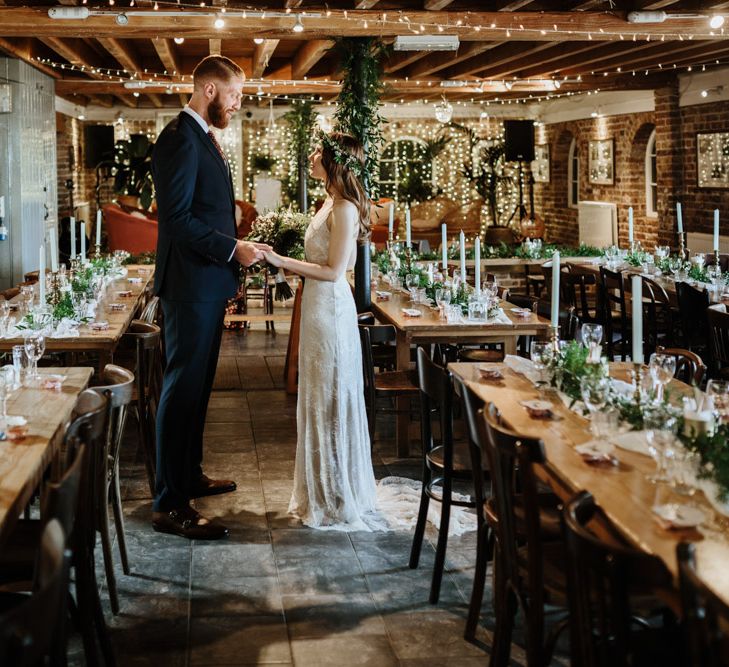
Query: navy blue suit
x=194, y=278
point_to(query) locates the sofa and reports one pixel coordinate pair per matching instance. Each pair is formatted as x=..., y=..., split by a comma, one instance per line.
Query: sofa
x=134, y=232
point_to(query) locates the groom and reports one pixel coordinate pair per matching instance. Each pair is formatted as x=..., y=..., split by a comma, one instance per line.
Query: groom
x=197, y=271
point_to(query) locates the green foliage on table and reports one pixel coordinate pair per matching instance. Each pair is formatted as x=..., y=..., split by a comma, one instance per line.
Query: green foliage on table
x=698, y=273
x=64, y=308
x=149, y=257
x=713, y=451
x=103, y=264
x=81, y=283
x=358, y=105
x=570, y=366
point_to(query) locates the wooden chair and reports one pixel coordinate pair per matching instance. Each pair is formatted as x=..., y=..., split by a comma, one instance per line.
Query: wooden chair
x=689, y=366
x=657, y=317
x=383, y=355
x=569, y=323
x=705, y=615
x=692, y=305
x=529, y=564
x=28, y=629
x=144, y=340
x=614, y=315
x=719, y=342
x=443, y=462
x=150, y=311
x=387, y=384
x=579, y=290
x=481, y=492
x=118, y=388
x=611, y=585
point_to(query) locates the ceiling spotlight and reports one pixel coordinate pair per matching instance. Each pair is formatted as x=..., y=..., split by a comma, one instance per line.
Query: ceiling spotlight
x=122, y=19
x=258, y=40
x=508, y=85
x=179, y=40
x=557, y=84
x=259, y=92
x=704, y=93
x=82, y=117
x=219, y=23
x=135, y=93
x=716, y=21
x=594, y=114
x=298, y=26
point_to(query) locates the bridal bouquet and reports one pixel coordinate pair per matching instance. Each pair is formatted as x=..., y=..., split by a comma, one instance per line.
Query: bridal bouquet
x=284, y=231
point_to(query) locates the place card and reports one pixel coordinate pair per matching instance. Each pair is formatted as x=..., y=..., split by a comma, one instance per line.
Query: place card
x=123, y=294
x=538, y=409
x=99, y=326
x=135, y=281
x=674, y=516
x=411, y=312
x=522, y=312
x=52, y=382
x=597, y=452
x=490, y=373
x=117, y=306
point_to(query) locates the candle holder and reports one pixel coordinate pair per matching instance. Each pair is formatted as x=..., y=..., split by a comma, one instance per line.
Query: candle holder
x=716, y=257
x=54, y=295
x=638, y=377
x=75, y=266
x=97, y=251
x=681, y=246
x=554, y=338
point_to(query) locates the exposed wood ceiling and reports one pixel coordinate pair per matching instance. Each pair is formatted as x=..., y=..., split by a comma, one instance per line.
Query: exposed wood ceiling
x=509, y=49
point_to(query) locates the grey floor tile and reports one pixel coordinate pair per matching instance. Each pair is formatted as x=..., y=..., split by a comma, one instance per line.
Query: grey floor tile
x=235, y=596
x=331, y=615
x=307, y=543
x=312, y=576
x=340, y=650
x=233, y=560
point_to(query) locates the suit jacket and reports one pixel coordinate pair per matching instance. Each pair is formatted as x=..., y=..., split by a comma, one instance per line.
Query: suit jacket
x=196, y=213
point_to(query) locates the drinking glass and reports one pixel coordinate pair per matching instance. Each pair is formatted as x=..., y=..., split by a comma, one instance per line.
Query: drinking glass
x=699, y=259
x=675, y=264
x=686, y=464
x=541, y=355
x=662, y=251
x=4, y=315
x=718, y=391
x=594, y=391
x=660, y=431
x=35, y=345
x=20, y=364
x=454, y=313
x=411, y=282
x=26, y=295
x=716, y=278
x=442, y=300
x=476, y=308
x=591, y=334
x=662, y=368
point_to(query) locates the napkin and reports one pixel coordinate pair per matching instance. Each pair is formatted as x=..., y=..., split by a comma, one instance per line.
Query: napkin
x=411, y=312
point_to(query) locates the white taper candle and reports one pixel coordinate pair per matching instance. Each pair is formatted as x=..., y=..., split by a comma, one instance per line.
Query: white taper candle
x=408, y=239
x=716, y=230
x=73, y=237
x=555, y=289
x=679, y=217
x=42, y=275
x=392, y=219
x=462, y=239
x=444, y=245
x=83, y=241
x=477, y=265
x=630, y=225
x=637, y=297
x=54, y=250
x=98, y=228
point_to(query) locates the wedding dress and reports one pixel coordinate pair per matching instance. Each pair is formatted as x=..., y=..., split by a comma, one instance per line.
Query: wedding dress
x=334, y=482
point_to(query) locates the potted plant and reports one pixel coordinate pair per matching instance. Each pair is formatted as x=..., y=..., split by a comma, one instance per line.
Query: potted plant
x=488, y=176
x=132, y=171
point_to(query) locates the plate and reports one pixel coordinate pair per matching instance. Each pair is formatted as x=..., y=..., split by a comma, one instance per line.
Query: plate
x=675, y=515
x=16, y=420
x=633, y=441
x=135, y=281
x=537, y=405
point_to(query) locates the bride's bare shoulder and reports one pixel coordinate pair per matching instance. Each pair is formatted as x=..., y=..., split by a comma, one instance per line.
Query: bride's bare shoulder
x=344, y=211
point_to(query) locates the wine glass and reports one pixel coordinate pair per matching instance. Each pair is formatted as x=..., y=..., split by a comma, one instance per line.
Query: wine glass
x=35, y=345
x=662, y=369
x=4, y=315
x=594, y=391
x=411, y=282
x=442, y=299
x=660, y=430
x=718, y=392
x=26, y=295
x=662, y=252
x=541, y=355
x=591, y=334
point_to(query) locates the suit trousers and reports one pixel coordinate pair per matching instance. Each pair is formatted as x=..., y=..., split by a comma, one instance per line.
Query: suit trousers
x=193, y=332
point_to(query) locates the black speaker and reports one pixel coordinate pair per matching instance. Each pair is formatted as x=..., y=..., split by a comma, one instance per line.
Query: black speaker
x=519, y=140
x=99, y=144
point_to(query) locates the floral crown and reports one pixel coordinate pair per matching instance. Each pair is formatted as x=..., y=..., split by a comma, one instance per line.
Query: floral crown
x=341, y=155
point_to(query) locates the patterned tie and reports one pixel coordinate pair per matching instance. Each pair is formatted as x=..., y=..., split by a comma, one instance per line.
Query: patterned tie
x=217, y=145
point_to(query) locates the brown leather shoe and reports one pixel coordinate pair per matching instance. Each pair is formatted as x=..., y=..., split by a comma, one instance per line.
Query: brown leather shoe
x=212, y=487
x=186, y=522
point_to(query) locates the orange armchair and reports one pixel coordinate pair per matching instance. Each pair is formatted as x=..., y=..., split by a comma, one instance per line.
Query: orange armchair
x=132, y=232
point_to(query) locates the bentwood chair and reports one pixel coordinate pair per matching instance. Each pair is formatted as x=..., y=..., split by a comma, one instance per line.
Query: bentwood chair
x=614, y=315
x=444, y=462
x=569, y=323
x=579, y=290
x=529, y=567
x=144, y=340
x=383, y=355
x=150, y=311
x=719, y=342
x=705, y=615
x=657, y=317
x=28, y=628
x=118, y=388
x=692, y=305
x=689, y=366
x=615, y=614
x=386, y=384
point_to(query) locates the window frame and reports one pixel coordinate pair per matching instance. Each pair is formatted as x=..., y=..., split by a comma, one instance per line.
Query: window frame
x=573, y=175
x=396, y=182
x=651, y=177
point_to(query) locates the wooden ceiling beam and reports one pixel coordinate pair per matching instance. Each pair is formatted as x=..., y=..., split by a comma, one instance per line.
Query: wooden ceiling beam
x=156, y=100
x=293, y=4
x=167, y=53
x=509, y=5
x=75, y=51
x=438, y=61
x=126, y=100
x=308, y=55
x=365, y=4
x=215, y=46
x=106, y=101
x=261, y=55
x=25, y=49
x=123, y=53
x=402, y=59
x=557, y=52
x=476, y=26
x=436, y=5
x=505, y=54
x=184, y=99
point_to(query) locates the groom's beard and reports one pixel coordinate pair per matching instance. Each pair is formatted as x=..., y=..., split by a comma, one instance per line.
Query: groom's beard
x=216, y=113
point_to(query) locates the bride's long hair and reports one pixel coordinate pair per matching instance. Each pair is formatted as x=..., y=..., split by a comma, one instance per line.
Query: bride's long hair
x=343, y=181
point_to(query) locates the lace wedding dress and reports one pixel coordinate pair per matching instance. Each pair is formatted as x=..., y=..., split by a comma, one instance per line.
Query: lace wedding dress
x=334, y=482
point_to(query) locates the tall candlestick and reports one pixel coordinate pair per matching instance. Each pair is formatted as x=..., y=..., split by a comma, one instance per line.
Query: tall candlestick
x=716, y=230
x=630, y=225
x=430, y=274
x=42, y=276
x=54, y=250
x=477, y=264
x=73, y=237
x=2, y=206
x=462, y=240
x=408, y=240
x=637, y=297
x=83, y=241
x=392, y=220
x=679, y=217
x=444, y=246
x=98, y=228
x=555, y=289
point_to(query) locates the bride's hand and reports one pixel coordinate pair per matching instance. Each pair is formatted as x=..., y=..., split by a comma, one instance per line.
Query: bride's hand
x=273, y=258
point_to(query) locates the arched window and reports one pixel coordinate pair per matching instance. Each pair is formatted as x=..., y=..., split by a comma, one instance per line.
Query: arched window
x=573, y=176
x=401, y=157
x=651, y=177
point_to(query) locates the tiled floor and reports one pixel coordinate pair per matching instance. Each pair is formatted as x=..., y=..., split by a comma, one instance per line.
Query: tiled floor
x=276, y=592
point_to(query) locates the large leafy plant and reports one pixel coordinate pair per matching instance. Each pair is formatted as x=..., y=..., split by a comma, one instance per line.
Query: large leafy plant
x=302, y=122
x=132, y=168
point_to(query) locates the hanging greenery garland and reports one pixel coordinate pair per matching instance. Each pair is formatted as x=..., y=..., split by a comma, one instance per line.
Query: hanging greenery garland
x=358, y=103
x=302, y=122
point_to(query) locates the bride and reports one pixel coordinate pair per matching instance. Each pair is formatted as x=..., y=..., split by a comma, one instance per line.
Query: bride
x=334, y=482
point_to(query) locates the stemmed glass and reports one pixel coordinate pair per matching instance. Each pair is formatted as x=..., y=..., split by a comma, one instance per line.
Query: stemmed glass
x=541, y=355
x=591, y=334
x=718, y=391
x=662, y=252
x=4, y=315
x=594, y=391
x=662, y=368
x=660, y=432
x=442, y=299
x=26, y=294
x=411, y=282
x=35, y=345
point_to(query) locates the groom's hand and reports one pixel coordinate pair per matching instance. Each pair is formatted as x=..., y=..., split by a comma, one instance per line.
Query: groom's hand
x=247, y=253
